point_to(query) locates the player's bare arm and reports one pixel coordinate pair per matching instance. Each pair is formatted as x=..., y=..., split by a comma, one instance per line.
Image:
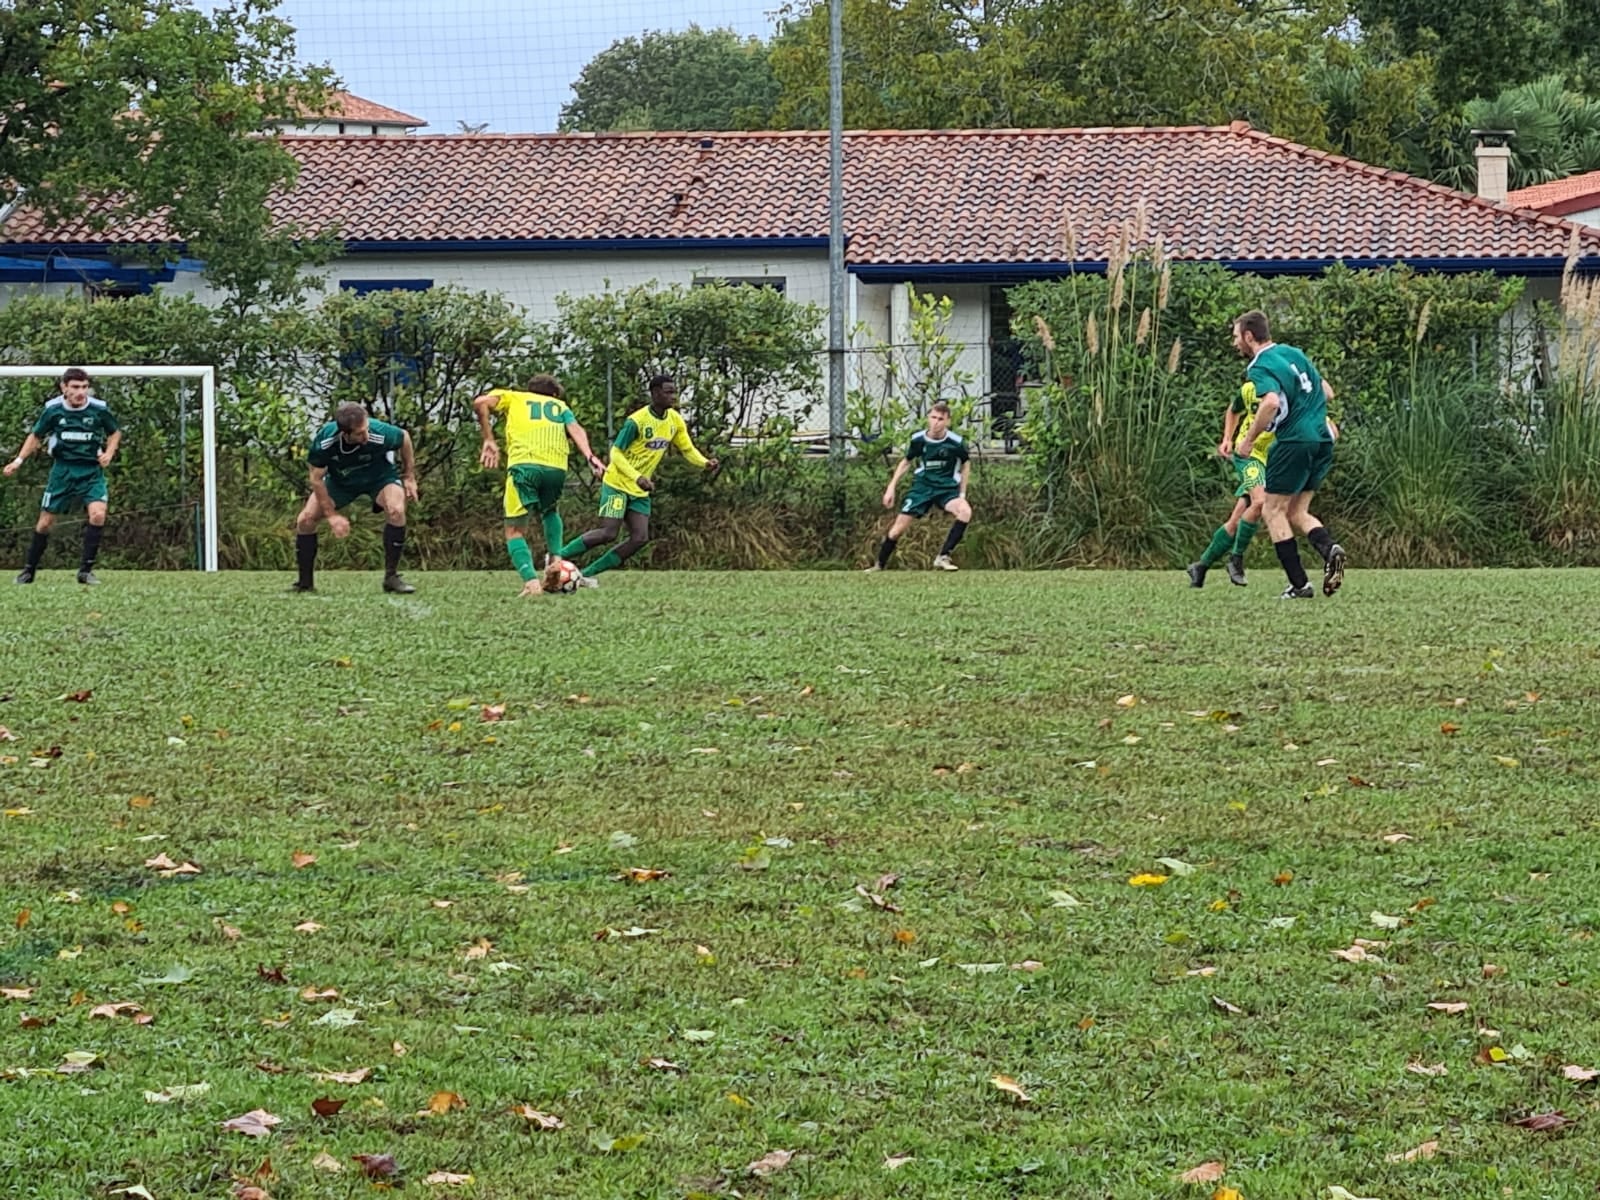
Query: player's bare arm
x=30, y=446
x=966, y=471
x=408, y=466
x=110, y=452
x=489, y=456
x=340, y=526
x=1230, y=426
x=580, y=438
x=894, y=482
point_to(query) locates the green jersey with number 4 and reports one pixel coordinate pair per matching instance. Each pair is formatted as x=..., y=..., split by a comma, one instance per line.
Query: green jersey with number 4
x=1303, y=412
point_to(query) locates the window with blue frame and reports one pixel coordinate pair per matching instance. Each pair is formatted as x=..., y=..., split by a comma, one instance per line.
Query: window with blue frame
x=399, y=365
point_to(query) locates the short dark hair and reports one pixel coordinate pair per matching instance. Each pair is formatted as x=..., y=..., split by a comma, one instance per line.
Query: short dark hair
x=1255, y=324
x=547, y=385
x=939, y=406
x=350, y=417
x=657, y=382
x=75, y=375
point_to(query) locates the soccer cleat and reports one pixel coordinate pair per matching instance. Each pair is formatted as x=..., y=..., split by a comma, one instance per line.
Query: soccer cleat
x=1197, y=574
x=1333, y=570
x=1298, y=593
x=943, y=563
x=588, y=581
x=25, y=575
x=397, y=585
x=297, y=586
x=1236, y=570
x=864, y=570
x=87, y=578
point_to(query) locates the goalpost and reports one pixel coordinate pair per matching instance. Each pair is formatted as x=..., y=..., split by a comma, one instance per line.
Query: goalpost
x=208, y=420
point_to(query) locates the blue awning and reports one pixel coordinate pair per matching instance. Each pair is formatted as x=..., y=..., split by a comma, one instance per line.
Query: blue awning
x=94, y=270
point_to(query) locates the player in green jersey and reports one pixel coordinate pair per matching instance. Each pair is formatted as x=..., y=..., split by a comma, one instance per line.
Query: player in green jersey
x=352, y=456
x=82, y=438
x=1293, y=399
x=939, y=481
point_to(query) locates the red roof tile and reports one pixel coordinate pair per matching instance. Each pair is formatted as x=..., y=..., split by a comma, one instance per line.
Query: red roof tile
x=914, y=197
x=342, y=106
x=1572, y=194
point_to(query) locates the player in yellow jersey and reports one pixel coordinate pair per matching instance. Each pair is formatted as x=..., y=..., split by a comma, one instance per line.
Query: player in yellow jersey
x=1233, y=535
x=636, y=454
x=538, y=426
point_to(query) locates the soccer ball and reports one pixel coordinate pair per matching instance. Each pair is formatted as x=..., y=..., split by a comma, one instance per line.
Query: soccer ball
x=564, y=574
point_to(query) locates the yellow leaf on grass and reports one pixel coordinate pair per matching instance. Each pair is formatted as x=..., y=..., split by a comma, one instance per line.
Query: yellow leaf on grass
x=1505, y=760
x=1011, y=1087
x=1227, y=1193
x=302, y=860
x=442, y=1102
x=1147, y=880
x=1127, y=701
x=1426, y=1150
x=1206, y=1172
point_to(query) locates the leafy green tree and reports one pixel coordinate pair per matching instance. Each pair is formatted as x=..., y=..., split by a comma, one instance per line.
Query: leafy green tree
x=1378, y=105
x=696, y=79
x=1555, y=133
x=127, y=108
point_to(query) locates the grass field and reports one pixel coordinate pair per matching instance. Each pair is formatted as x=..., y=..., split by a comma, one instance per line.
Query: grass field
x=1016, y=748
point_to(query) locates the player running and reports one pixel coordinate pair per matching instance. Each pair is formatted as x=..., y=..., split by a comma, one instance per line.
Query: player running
x=636, y=454
x=82, y=437
x=353, y=456
x=1233, y=536
x=940, y=481
x=538, y=427
x=1293, y=406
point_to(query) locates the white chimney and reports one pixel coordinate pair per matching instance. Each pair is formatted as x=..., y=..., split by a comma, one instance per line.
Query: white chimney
x=1494, y=164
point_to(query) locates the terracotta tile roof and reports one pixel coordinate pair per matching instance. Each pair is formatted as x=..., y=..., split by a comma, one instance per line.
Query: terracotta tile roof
x=918, y=197
x=342, y=106
x=1572, y=194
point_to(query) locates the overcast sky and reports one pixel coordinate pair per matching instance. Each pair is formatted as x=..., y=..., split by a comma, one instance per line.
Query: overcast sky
x=509, y=63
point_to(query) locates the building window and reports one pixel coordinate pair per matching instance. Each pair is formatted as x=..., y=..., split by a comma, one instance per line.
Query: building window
x=774, y=282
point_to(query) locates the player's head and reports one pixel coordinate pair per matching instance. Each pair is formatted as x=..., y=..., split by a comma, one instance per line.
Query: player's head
x=352, y=422
x=938, y=418
x=547, y=385
x=75, y=386
x=663, y=392
x=1251, y=332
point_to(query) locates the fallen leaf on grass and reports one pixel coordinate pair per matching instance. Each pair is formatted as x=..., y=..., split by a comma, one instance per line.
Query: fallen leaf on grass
x=377, y=1166
x=1147, y=880
x=1127, y=701
x=302, y=860
x=1338, y=1193
x=877, y=900
x=308, y=927
x=1231, y=1009
x=34, y=1021
x=257, y=1123
x=770, y=1163
x=642, y=875
x=1227, y=1193
x=119, y=1009
x=1452, y=1007
x=312, y=993
x=1059, y=899
x=339, y=1018
x=1545, y=1122
x=1490, y=970
x=133, y=1189
x=357, y=1076
x=1579, y=1074
x=539, y=1120
x=698, y=1035
x=326, y=1106
x=182, y=1091
x=230, y=932
x=327, y=1162
x=1206, y=1172
x=606, y=1144
x=1426, y=1150
x=1449, y=727
x=165, y=866
x=662, y=1064
x=250, y=1191
x=1027, y=964
x=1505, y=760
x=1385, y=921
x=1202, y=972
x=446, y=1179
x=1356, y=954
x=491, y=713
x=479, y=949
x=442, y=1102
x=1420, y=1068
x=82, y=697
x=1011, y=1087
x=1396, y=838
x=894, y=1162
x=1283, y=879
x=16, y=993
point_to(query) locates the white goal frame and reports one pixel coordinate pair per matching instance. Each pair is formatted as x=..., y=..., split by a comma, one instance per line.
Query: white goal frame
x=208, y=423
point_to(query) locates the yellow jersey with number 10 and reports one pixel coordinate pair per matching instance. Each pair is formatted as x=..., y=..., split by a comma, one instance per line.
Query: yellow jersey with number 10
x=536, y=428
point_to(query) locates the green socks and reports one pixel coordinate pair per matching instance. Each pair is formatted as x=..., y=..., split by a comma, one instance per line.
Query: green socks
x=553, y=534
x=604, y=563
x=1247, y=530
x=1221, y=545
x=575, y=546
x=521, y=557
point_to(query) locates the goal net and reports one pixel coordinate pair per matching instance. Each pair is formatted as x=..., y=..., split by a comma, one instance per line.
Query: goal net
x=163, y=483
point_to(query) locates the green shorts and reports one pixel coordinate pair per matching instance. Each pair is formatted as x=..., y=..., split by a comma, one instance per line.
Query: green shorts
x=72, y=486
x=1294, y=467
x=614, y=502
x=1251, y=474
x=921, y=498
x=530, y=486
x=343, y=491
